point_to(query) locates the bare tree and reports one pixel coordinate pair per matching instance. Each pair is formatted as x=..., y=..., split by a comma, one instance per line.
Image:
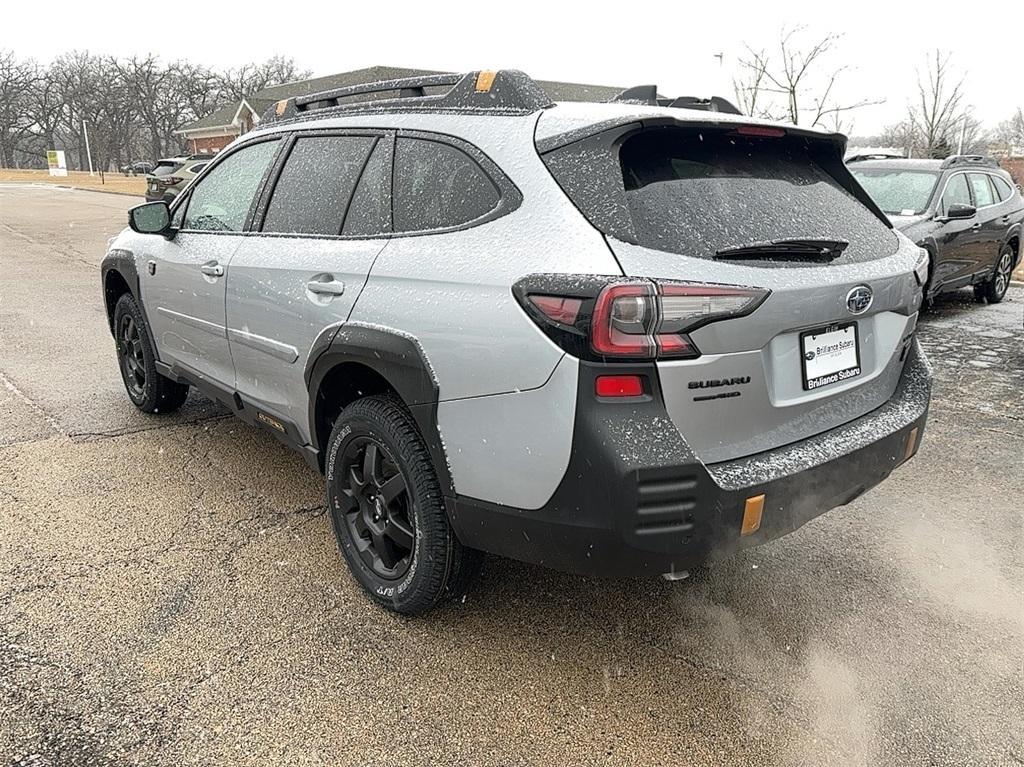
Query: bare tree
x=790, y=83
x=938, y=110
x=1010, y=134
x=17, y=79
x=238, y=83
x=749, y=86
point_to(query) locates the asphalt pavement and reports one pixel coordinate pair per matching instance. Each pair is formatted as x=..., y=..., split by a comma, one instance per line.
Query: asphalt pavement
x=171, y=594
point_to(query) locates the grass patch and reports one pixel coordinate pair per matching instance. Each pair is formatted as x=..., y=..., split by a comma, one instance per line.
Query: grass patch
x=112, y=182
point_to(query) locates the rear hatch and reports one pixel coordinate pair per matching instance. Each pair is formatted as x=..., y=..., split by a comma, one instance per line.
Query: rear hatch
x=760, y=207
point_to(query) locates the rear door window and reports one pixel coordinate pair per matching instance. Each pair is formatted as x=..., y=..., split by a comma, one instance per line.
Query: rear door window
x=983, y=196
x=316, y=184
x=369, y=213
x=438, y=186
x=956, y=192
x=697, y=192
x=1003, y=190
x=221, y=199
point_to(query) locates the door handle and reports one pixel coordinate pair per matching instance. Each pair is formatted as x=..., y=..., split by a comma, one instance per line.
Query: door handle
x=326, y=288
x=976, y=227
x=212, y=269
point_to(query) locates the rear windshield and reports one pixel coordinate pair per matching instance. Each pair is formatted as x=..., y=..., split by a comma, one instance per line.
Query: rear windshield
x=696, y=194
x=166, y=167
x=898, y=192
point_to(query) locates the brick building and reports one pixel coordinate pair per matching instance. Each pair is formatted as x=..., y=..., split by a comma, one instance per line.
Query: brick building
x=215, y=131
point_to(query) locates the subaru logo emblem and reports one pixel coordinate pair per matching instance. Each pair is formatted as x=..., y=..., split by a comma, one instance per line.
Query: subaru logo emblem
x=859, y=299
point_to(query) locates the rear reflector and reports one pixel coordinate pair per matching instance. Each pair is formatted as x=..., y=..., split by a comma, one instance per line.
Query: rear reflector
x=619, y=386
x=752, y=514
x=911, y=446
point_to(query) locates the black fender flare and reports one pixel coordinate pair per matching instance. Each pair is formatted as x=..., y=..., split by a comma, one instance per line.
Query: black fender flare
x=1014, y=232
x=399, y=359
x=121, y=262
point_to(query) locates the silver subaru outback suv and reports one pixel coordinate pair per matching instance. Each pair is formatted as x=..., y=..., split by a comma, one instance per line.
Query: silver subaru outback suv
x=618, y=339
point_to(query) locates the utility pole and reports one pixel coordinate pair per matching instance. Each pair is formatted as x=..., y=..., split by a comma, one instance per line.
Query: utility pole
x=88, y=152
x=963, y=130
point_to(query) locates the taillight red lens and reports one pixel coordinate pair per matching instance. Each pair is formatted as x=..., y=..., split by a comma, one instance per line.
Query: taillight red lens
x=619, y=386
x=594, y=317
x=624, y=319
x=558, y=308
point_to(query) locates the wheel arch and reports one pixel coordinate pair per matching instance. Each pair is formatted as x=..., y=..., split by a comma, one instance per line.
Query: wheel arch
x=1013, y=240
x=119, y=276
x=350, y=361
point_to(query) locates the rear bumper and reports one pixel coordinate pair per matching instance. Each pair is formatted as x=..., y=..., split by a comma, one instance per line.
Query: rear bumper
x=636, y=501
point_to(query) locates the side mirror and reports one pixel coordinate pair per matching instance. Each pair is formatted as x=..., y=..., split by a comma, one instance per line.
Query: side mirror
x=150, y=218
x=958, y=210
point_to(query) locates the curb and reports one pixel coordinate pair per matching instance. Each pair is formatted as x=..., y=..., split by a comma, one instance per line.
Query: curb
x=90, y=189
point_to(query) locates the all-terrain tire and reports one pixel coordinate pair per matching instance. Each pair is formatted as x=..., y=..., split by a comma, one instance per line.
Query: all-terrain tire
x=408, y=579
x=149, y=391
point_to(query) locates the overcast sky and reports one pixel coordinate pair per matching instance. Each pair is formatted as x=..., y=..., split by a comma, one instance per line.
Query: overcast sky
x=623, y=43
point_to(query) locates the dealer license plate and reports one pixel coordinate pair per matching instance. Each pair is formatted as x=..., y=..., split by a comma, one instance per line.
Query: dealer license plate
x=830, y=355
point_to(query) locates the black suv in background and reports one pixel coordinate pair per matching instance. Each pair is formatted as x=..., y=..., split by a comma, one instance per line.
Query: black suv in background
x=964, y=210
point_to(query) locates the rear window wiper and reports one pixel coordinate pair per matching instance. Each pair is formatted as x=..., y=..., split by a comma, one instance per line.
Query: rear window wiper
x=798, y=249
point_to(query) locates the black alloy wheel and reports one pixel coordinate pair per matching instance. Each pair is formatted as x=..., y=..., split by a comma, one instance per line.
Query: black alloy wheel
x=130, y=354
x=379, y=517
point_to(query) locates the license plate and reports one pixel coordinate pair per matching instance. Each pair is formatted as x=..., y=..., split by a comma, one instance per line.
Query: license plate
x=829, y=355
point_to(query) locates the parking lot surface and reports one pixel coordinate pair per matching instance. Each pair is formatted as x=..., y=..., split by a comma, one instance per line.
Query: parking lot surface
x=170, y=591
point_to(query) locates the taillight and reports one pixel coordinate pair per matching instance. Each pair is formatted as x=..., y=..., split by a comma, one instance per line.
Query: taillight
x=614, y=318
x=624, y=320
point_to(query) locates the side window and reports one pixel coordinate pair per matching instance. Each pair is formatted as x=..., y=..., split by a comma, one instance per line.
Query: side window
x=982, y=190
x=314, y=188
x=1003, y=190
x=221, y=200
x=438, y=186
x=956, y=192
x=369, y=212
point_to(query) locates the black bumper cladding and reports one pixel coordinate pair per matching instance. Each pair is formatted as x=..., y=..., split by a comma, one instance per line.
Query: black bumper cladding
x=636, y=501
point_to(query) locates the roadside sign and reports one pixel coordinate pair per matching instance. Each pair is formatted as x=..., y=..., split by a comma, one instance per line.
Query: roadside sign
x=58, y=165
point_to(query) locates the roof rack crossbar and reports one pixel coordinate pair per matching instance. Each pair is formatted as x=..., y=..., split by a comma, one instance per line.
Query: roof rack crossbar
x=505, y=91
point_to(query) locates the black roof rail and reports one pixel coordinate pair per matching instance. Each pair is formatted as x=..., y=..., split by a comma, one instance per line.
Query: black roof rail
x=506, y=91
x=969, y=159
x=874, y=156
x=648, y=94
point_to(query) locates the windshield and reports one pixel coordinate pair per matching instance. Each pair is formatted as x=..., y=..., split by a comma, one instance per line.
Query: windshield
x=898, y=192
x=696, y=194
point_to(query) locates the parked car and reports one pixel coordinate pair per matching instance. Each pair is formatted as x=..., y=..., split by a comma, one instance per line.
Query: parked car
x=618, y=339
x=139, y=167
x=167, y=181
x=964, y=210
